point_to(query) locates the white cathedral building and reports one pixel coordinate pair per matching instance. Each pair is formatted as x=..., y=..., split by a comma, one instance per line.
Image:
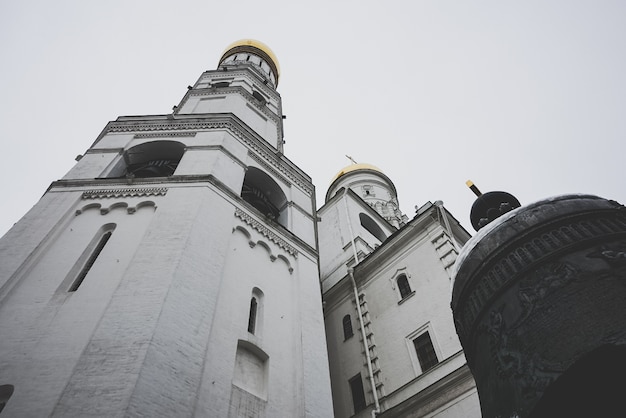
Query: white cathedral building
x=181, y=269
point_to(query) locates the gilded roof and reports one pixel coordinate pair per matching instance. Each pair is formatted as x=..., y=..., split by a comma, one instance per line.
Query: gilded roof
x=253, y=45
x=355, y=167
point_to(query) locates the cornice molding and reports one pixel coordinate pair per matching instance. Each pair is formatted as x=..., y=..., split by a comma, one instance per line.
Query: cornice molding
x=108, y=182
x=266, y=232
x=301, y=210
x=211, y=91
x=104, y=151
x=216, y=75
x=269, y=168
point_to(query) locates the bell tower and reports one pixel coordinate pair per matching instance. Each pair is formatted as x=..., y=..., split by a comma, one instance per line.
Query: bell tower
x=174, y=270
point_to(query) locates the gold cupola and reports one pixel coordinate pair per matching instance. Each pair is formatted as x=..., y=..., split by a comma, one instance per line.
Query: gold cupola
x=250, y=51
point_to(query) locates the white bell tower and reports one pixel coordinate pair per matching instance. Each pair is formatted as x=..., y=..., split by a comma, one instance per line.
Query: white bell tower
x=173, y=272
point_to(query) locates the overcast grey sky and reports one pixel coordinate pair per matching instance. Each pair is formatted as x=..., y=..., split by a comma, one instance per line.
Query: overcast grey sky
x=523, y=96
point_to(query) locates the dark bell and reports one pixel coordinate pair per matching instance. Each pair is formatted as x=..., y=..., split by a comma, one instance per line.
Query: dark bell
x=490, y=206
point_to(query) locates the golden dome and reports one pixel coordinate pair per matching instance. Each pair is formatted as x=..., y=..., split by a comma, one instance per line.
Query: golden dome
x=355, y=167
x=254, y=46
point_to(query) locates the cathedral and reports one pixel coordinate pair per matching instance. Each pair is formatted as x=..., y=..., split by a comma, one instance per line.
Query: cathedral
x=182, y=269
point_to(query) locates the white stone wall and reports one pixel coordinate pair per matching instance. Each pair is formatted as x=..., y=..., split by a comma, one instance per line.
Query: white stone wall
x=49, y=327
x=159, y=315
x=336, y=230
x=263, y=117
x=158, y=327
x=395, y=322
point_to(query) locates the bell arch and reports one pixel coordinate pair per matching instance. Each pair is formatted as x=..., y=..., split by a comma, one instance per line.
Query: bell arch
x=372, y=227
x=153, y=159
x=262, y=192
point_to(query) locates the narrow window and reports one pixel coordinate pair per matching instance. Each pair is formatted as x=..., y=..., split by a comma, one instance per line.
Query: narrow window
x=90, y=260
x=403, y=286
x=255, y=315
x=252, y=317
x=347, y=327
x=358, y=396
x=425, y=351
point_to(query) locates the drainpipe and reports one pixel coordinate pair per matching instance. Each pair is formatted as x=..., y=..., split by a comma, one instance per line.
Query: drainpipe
x=376, y=409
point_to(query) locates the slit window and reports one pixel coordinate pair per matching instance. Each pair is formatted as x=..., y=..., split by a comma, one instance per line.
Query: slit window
x=252, y=316
x=255, y=314
x=89, y=257
x=347, y=327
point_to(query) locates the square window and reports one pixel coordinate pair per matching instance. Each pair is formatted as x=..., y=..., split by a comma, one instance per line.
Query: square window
x=358, y=395
x=425, y=351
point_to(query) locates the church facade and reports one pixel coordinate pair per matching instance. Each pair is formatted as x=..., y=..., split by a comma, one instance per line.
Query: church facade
x=181, y=269
x=399, y=338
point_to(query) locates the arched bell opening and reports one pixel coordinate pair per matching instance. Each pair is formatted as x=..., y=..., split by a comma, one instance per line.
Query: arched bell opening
x=372, y=227
x=153, y=159
x=262, y=192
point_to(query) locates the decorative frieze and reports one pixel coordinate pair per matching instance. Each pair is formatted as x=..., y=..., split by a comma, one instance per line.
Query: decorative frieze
x=117, y=193
x=509, y=266
x=117, y=205
x=266, y=232
x=536, y=293
x=165, y=135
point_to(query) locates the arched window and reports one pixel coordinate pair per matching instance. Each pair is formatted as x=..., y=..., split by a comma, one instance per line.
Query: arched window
x=347, y=327
x=372, y=227
x=255, y=316
x=403, y=286
x=153, y=159
x=262, y=192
